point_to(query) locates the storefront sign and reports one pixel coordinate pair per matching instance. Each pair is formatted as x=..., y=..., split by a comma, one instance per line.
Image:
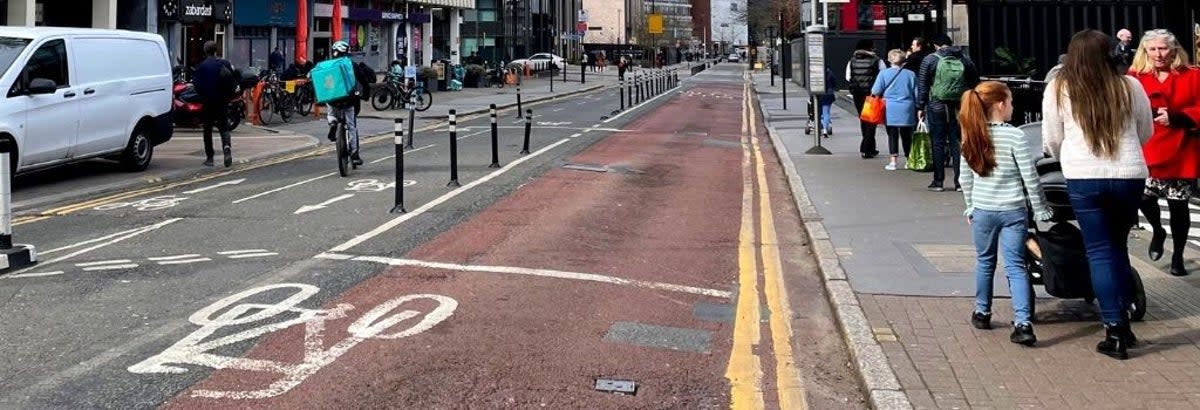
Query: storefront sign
x=265, y=12
x=195, y=11
x=391, y=16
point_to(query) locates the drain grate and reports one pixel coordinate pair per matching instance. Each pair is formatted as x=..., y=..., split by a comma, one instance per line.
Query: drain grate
x=616, y=386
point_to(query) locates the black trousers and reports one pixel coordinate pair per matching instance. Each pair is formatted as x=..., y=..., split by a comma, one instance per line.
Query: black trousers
x=867, y=146
x=902, y=135
x=215, y=115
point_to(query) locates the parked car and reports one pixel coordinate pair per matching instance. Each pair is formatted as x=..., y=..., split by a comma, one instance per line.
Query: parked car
x=734, y=58
x=541, y=61
x=75, y=94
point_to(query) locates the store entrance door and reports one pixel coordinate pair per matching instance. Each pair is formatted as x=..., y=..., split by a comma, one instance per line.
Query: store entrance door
x=196, y=34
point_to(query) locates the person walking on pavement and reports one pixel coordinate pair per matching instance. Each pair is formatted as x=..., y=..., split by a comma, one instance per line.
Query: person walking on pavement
x=917, y=51
x=898, y=87
x=998, y=175
x=943, y=77
x=861, y=71
x=622, y=65
x=215, y=83
x=1173, y=152
x=825, y=102
x=1095, y=122
x=1124, y=50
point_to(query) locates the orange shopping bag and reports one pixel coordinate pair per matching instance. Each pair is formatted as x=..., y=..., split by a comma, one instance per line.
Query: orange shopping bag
x=873, y=110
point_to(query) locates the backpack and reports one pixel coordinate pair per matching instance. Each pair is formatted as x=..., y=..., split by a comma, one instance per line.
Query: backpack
x=948, y=81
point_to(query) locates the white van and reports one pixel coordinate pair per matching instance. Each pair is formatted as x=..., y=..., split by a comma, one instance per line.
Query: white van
x=74, y=94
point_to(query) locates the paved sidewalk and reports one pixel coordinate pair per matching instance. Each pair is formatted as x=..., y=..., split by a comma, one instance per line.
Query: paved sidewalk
x=908, y=258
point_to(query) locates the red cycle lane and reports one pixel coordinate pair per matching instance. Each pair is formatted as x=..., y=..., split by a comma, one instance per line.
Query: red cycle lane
x=579, y=275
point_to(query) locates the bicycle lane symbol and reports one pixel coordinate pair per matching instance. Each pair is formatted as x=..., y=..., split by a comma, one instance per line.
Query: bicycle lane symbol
x=148, y=204
x=195, y=350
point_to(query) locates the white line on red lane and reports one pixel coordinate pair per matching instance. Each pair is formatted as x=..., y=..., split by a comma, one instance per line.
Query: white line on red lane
x=591, y=277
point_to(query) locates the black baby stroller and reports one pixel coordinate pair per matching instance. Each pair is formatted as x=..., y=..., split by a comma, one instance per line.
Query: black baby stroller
x=1056, y=259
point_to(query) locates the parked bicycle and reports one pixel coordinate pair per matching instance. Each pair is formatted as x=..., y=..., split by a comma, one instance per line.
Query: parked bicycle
x=396, y=91
x=274, y=99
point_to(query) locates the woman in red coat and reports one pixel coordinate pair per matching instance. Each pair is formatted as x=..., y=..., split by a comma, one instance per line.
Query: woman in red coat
x=1173, y=152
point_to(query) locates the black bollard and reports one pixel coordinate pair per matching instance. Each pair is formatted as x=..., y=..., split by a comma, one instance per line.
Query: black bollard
x=621, y=86
x=552, y=65
x=453, y=151
x=495, y=141
x=518, y=101
x=630, y=91
x=412, y=113
x=582, y=78
x=399, y=188
x=528, y=128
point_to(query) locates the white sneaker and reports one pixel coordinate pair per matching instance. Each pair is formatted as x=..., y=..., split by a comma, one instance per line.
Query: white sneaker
x=890, y=167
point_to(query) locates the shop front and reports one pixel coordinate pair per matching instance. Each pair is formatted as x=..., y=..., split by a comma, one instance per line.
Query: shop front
x=261, y=27
x=187, y=24
x=369, y=36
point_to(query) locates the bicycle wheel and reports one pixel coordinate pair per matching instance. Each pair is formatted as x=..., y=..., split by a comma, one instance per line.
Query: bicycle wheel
x=284, y=102
x=304, y=99
x=381, y=99
x=343, y=151
x=266, y=107
x=422, y=100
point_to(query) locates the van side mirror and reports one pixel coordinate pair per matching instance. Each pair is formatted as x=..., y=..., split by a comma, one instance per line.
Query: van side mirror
x=41, y=86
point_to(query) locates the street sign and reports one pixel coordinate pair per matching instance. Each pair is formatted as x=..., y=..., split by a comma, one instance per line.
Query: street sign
x=655, y=23
x=815, y=43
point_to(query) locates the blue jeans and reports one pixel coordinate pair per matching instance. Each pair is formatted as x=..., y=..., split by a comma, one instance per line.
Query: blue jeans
x=1106, y=209
x=826, y=116
x=1005, y=230
x=944, y=133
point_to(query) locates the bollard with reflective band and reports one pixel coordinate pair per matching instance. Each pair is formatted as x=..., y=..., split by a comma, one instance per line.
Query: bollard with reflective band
x=398, y=208
x=453, y=150
x=621, y=86
x=412, y=114
x=528, y=128
x=495, y=141
x=630, y=91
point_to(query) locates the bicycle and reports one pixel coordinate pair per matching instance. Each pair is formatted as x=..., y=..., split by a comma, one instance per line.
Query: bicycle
x=305, y=98
x=274, y=99
x=394, y=92
x=343, y=147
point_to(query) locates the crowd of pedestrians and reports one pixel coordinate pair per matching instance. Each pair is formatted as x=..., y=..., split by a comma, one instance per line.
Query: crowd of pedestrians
x=1121, y=118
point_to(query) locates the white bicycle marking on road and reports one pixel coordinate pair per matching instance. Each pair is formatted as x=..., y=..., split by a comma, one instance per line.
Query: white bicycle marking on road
x=370, y=185
x=148, y=204
x=238, y=311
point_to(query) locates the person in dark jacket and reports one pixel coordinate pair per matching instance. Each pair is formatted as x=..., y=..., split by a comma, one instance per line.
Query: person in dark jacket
x=215, y=83
x=825, y=101
x=347, y=108
x=917, y=51
x=1124, y=50
x=941, y=115
x=276, y=60
x=861, y=71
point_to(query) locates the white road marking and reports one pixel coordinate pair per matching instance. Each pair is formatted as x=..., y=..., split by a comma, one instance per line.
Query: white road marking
x=552, y=124
x=242, y=251
x=631, y=109
x=38, y=275
x=445, y=197
x=472, y=135
x=261, y=194
x=113, y=267
x=184, y=261
x=575, y=135
x=126, y=235
x=218, y=185
x=175, y=257
x=405, y=153
x=591, y=277
x=512, y=127
x=253, y=255
x=97, y=263
x=310, y=208
x=194, y=349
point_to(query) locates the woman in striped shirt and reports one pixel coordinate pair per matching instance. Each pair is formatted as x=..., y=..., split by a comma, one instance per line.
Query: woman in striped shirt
x=997, y=175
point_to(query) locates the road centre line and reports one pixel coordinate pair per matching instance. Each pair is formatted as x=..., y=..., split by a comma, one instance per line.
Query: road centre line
x=175, y=257
x=114, y=240
x=590, y=277
x=253, y=255
x=38, y=274
x=184, y=261
x=111, y=267
x=445, y=197
x=97, y=263
x=237, y=252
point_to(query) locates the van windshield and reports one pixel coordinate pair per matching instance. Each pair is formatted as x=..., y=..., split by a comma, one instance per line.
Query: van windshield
x=10, y=49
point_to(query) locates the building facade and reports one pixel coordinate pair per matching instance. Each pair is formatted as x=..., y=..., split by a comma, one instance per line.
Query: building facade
x=727, y=32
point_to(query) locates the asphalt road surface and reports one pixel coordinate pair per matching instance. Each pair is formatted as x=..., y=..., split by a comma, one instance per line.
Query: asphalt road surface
x=619, y=248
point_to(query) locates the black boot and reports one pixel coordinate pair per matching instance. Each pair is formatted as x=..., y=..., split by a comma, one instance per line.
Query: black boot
x=1177, y=268
x=1156, y=244
x=1117, y=339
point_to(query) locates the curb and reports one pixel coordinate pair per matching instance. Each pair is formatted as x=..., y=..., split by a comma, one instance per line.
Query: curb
x=506, y=105
x=872, y=364
x=31, y=206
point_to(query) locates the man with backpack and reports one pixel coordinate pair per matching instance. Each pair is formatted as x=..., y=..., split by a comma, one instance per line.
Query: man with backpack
x=943, y=78
x=861, y=71
x=214, y=81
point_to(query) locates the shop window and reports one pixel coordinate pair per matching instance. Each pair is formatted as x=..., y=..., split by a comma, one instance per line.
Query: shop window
x=49, y=62
x=487, y=15
x=470, y=15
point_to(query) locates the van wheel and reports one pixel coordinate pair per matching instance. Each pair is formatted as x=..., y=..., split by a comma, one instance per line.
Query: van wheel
x=138, y=153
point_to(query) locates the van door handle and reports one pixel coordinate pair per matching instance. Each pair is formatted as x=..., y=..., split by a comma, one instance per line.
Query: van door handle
x=89, y=91
x=69, y=94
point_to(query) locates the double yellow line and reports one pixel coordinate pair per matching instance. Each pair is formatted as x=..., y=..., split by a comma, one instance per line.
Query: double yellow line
x=745, y=371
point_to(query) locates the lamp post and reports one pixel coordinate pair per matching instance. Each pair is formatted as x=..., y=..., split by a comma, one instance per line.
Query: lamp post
x=771, y=56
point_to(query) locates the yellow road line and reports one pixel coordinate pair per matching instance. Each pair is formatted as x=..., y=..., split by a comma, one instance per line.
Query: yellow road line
x=789, y=386
x=744, y=371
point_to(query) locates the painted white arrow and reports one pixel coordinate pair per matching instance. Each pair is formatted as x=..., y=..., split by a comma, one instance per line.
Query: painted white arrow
x=233, y=182
x=310, y=208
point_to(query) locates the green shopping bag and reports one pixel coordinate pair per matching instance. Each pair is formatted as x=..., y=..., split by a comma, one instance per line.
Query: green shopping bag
x=920, y=154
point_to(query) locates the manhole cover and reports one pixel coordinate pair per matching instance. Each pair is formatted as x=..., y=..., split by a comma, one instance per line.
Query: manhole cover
x=617, y=386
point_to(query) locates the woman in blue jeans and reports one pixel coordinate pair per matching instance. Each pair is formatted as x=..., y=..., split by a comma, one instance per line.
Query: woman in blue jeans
x=1095, y=121
x=997, y=175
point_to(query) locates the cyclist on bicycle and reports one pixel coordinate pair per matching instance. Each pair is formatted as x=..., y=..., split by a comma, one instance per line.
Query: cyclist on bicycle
x=347, y=108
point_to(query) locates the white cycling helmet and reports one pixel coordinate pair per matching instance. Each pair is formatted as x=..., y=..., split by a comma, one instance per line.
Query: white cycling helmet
x=341, y=47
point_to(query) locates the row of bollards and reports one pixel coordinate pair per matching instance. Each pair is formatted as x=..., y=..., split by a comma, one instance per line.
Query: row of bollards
x=646, y=84
x=402, y=142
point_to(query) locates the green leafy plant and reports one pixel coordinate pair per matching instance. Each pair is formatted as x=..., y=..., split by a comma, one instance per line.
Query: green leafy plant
x=1014, y=63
